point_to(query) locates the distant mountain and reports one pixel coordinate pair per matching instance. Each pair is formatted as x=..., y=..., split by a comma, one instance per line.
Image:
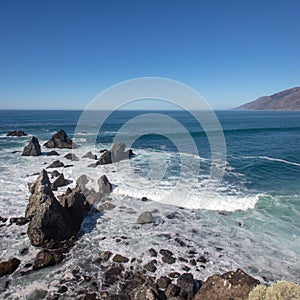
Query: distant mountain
x=285, y=100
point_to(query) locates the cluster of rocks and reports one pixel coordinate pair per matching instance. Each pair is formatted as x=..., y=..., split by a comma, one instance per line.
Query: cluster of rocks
x=17, y=133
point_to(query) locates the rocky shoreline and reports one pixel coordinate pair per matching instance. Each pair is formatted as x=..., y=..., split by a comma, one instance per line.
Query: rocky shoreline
x=53, y=224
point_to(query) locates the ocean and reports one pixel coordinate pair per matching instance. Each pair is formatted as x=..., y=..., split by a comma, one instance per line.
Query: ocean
x=249, y=220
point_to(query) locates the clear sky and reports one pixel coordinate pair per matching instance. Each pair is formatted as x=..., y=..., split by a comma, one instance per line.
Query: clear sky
x=61, y=54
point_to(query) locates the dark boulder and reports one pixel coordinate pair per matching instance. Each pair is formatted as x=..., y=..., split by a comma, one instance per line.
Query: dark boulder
x=60, y=140
x=118, y=258
x=8, y=267
x=59, y=182
x=231, y=285
x=46, y=258
x=49, y=220
x=71, y=156
x=105, y=187
x=33, y=148
x=90, y=155
x=52, y=153
x=16, y=133
x=56, y=164
x=115, y=154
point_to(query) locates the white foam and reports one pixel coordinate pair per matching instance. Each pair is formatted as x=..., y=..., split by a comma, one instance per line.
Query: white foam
x=274, y=159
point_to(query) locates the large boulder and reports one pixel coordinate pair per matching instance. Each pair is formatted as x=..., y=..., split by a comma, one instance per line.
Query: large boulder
x=49, y=220
x=33, y=148
x=231, y=285
x=17, y=133
x=60, y=140
x=115, y=154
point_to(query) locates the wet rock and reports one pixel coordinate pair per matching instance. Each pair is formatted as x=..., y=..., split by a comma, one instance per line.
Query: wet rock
x=115, y=154
x=60, y=140
x=71, y=156
x=172, y=290
x=54, y=174
x=231, y=285
x=20, y=221
x=150, y=267
x=49, y=220
x=8, y=267
x=62, y=289
x=3, y=219
x=106, y=255
x=145, y=218
x=163, y=282
x=120, y=258
x=89, y=155
x=168, y=259
x=59, y=182
x=143, y=292
x=33, y=148
x=187, y=284
x=144, y=199
x=202, y=259
x=106, y=206
x=46, y=258
x=152, y=252
x=174, y=275
x=105, y=187
x=17, y=133
x=56, y=164
x=165, y=252
x=52, y=153
x=110, y=276
x=24, y=251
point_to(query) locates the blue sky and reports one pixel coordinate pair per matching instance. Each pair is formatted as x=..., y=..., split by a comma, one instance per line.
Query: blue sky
x=61, y=54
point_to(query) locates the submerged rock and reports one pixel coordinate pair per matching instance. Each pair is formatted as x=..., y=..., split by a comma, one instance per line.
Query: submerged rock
x=49, y=220
x=33, y=148
x=17, y=133
x=115, y=154
x=60, y=140
x=231, y=285
x=8, y=267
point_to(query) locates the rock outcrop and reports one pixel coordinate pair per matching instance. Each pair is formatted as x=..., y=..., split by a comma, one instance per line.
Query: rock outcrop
x=115, y=154
x=51, y=221
x=33, y=148
x=60, y=140
x=231, y=285
x=16, y=133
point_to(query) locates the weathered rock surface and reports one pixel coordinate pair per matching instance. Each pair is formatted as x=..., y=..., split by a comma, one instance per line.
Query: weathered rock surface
x=8, y=267
x=59, y=182
x=60, y=140
x=33, y=148
x=231, y=285
x=16, y=133
x=145, y=218
x=115, y=154
x=105, y=187
x=49, y=220
x=46, y=258
x=89, y=155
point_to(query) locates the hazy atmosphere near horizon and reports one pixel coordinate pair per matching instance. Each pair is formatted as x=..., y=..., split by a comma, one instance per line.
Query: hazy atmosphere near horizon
x=61, y=54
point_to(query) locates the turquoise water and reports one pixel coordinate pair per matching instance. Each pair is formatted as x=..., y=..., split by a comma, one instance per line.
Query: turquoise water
x=260, y=191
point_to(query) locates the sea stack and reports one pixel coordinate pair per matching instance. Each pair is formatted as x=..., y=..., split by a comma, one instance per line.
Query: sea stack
x=60, y=140
x=33, y=148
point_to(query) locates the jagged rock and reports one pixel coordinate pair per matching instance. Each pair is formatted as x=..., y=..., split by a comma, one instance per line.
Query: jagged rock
x=58, y=182
x=71, y=156
x=105, y=187
x=89, y=155
x=17, y=133
x=33, y=148
x=231, y=285
x=49, y=220
x=60, y=140
x=8, y=267
x=56, y=164
x=115, y=154
x=52, y=153
x=187, y=284
x=145, y=217
x=46, y=258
